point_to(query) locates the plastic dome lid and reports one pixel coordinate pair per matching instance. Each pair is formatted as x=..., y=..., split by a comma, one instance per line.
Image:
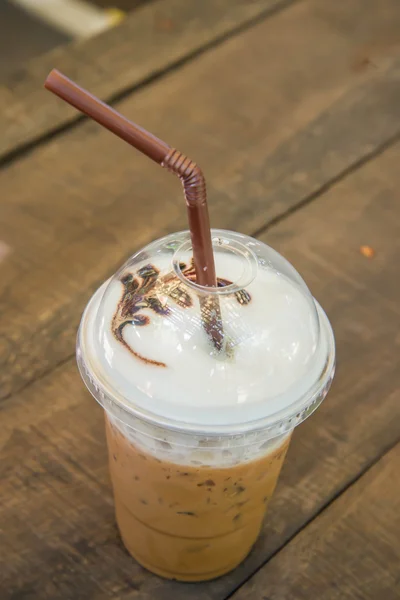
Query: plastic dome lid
x=143, y=343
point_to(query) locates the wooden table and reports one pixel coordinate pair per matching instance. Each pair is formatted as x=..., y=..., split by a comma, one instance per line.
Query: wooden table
x=292, y=108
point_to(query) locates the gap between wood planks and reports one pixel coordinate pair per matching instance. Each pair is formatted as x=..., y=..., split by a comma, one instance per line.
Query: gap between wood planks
x=329, y=184
x=25, y=148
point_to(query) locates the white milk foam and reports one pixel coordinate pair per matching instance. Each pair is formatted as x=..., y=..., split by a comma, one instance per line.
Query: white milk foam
x=278, y=352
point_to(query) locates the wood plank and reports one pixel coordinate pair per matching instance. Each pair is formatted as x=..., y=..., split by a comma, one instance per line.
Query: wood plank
x=153, y=39
x=85, y=201
x=55, y=496
x=23, y=36
x=351, y=551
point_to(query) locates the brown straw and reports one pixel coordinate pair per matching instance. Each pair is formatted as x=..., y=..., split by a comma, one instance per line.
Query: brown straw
x=189, y=173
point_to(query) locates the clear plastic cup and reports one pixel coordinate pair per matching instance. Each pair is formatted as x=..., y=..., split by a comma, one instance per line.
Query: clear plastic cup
x=197, y=431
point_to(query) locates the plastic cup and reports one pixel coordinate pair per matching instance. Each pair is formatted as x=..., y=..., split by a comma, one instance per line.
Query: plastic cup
x=196, y=434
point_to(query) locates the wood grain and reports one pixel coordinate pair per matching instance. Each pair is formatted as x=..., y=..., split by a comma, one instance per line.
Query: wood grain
x=350, y=551
x=287, y=128
x=149, y=41
x=55, y=501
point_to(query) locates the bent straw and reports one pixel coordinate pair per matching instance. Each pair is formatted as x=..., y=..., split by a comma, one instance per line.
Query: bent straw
x=189, y=173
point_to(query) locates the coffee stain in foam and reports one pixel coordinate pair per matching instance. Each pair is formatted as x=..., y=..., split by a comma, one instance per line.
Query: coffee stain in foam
x=147, y=289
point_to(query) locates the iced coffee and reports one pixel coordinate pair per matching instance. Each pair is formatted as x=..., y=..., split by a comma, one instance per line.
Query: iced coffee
x=205, y=349
x=189, y=521
x=197, y=432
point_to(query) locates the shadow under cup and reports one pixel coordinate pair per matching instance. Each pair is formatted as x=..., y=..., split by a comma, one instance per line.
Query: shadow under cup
x=192, y=481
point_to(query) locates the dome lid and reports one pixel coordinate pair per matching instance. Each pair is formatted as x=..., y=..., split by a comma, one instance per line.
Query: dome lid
x=146, y=338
